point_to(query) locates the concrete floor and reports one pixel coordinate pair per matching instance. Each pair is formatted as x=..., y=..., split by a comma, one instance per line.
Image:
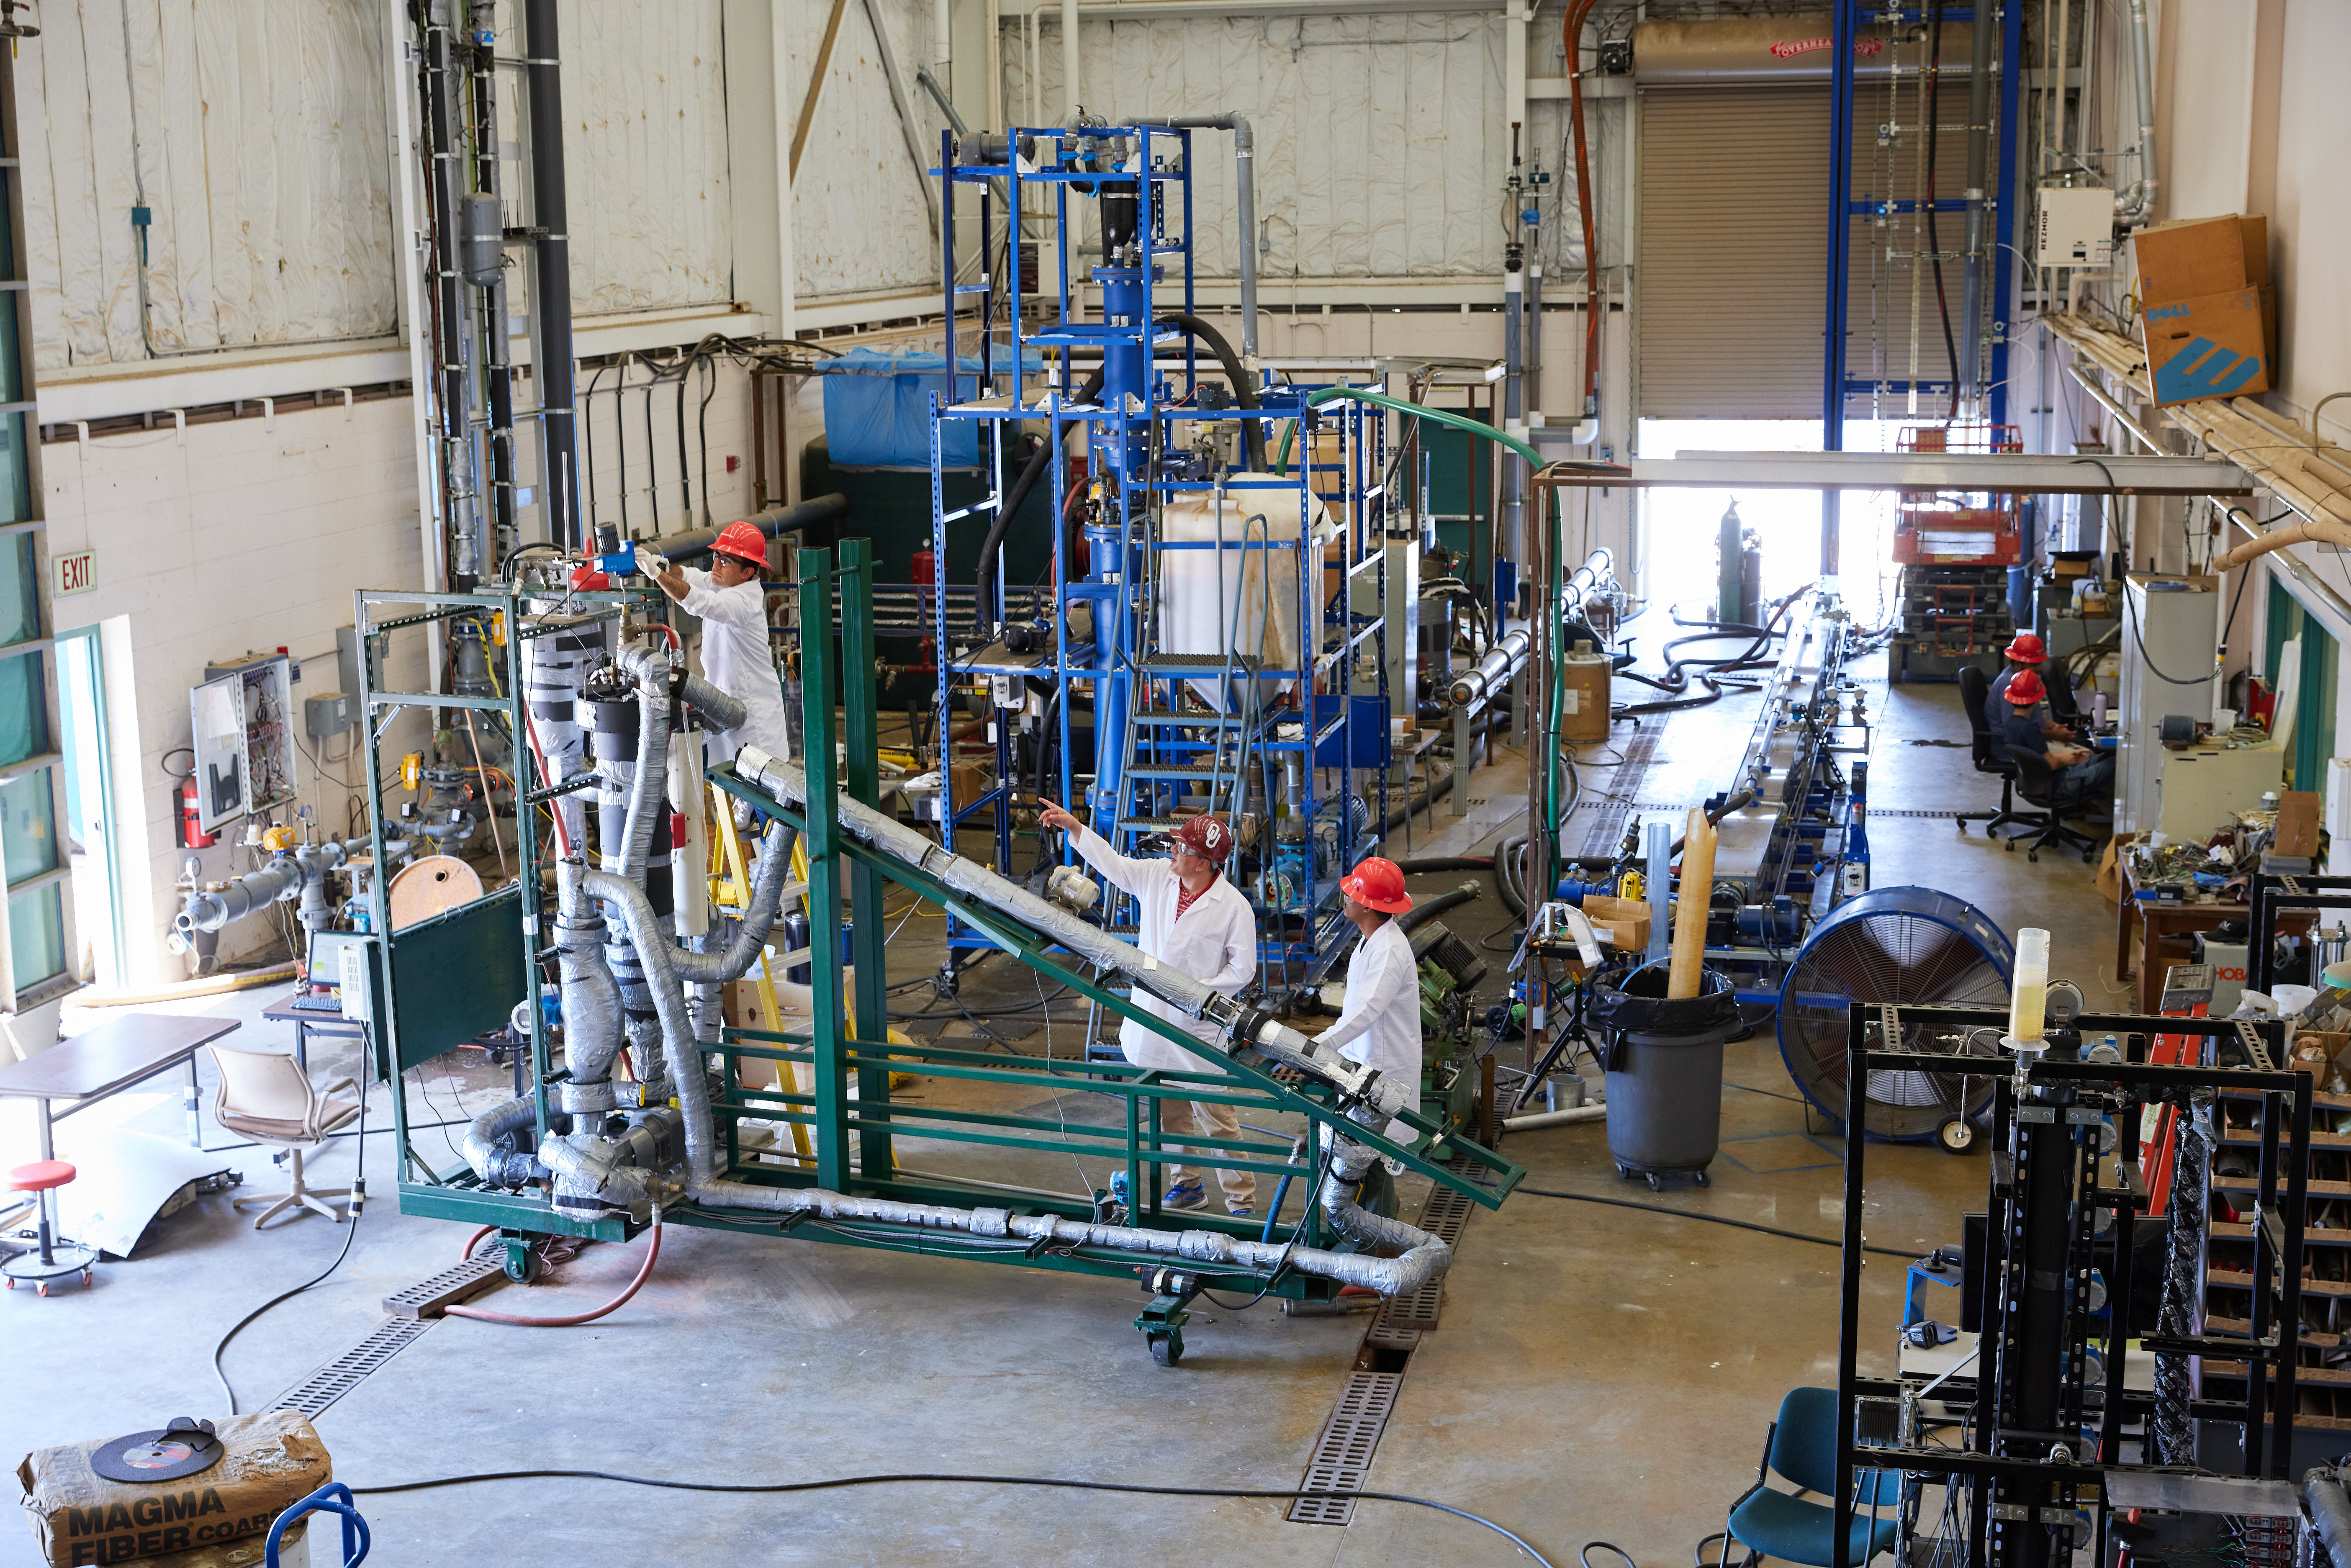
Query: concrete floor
x=1600, y=1373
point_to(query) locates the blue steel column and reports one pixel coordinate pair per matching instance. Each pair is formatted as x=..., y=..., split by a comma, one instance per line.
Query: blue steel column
x=2012, y=71
x=1833, y=321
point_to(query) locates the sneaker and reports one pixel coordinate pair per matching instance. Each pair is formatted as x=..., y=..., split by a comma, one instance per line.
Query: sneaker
x=1238, y=1212
x=1183, y=1194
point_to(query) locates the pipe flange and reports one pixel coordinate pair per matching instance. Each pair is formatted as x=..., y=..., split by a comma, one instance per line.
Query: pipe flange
x=585, y=1099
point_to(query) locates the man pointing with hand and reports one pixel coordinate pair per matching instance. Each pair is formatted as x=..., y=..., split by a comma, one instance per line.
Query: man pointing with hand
x=1195, y=921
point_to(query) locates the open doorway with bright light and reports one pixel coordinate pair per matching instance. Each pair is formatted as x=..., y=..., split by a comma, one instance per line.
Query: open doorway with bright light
x=91, y=842
x=1682, y=530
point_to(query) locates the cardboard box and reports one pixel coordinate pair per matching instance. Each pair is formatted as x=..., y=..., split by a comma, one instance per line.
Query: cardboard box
x=2192, y=257
x=2297, y=824
x=2215, y=344
x=1622, y=923
x=2069, y=569
x=273, y=1460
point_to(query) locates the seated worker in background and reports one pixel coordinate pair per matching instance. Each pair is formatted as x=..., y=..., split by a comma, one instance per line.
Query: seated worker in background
x=2027, y=653
x=2080, y=771
x=737, y=655
x=1379, y=1023
x=1195, y=921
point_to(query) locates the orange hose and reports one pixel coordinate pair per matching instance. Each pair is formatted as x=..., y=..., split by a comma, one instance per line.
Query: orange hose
x=473, y=1241
x=653, y=1250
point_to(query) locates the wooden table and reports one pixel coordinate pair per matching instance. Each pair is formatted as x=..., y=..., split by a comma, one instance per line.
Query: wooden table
x=109, y=1059
x=2156, y=921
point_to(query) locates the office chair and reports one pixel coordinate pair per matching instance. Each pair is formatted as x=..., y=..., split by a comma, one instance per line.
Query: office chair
x=1802, y=1447
x=2039, y=784
x=266, y=1096
x=1986, y=750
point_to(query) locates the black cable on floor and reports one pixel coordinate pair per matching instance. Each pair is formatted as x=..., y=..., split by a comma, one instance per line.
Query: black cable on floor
x=350, y=1234
x=1710, y=1219
x=840, y=1481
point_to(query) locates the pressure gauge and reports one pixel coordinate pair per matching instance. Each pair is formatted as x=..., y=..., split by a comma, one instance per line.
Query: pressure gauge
x=2065, y=1003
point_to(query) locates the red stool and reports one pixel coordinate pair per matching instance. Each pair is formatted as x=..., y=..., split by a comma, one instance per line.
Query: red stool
x=56, y=1258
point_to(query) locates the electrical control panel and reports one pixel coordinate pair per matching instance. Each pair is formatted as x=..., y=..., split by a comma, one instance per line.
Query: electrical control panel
x=242, y=717
x=2077, y=226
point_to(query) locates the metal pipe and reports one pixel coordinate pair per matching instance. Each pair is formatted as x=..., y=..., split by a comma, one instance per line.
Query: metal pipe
x=2121, y=416
x=1975, y=260
x=1070, y=75
x=2330, y=1511
x=496, y=334
x=774, y=523
x=552, y=368
x=1498, y=669
x=1542, y=1119
x=2136, y=205
x=1245, y=201
x=291, y=873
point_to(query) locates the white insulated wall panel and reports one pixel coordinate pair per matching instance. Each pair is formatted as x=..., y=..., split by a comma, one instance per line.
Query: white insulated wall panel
x=860, y=221
x=255, y=135
x=644, y=149
x=1378, y=137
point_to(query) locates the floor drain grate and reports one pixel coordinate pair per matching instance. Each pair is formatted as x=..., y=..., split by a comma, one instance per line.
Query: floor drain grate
x=1931, y=816
x=1442, y=1215
x=353, y=1367
x=1342, y=1460
x=428, y=1297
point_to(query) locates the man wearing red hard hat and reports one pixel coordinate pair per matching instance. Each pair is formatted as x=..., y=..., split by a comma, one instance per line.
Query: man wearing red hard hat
x=1379, y=1023
x=2026, y=652
x=737, y=655
x=2081, y=772
x=1195, y=921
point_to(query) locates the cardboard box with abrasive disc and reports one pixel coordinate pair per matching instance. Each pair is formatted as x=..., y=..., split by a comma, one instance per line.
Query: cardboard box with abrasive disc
x=268, y=1462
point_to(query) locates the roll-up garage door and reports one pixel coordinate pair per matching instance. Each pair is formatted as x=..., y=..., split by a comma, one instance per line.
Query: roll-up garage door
x=1734, y=238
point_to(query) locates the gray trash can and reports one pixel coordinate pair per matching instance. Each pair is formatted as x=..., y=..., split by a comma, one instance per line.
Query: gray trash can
x=1664, y=1061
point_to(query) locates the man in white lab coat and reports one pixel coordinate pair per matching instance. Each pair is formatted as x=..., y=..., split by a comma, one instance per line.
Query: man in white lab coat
x=1379, y=1024
x=1197, y=923
x=736, y=653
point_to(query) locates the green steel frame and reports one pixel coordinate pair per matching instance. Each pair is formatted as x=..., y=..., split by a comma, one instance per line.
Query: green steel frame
x=853, y=1118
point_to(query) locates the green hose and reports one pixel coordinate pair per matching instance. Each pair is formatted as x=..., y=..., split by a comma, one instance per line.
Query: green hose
x=1419, y=411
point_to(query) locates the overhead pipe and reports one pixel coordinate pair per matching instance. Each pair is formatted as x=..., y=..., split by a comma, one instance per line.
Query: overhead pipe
x=774, y=523
x=1245, y=199
x=2136, y=205
x=553, y=368
x=1572, y=39
x=1474, y=688
x=1978, y=255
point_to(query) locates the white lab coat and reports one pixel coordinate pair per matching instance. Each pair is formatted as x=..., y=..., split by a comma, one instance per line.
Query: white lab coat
x=737, y=659
x=1379, y=1025
x=1215, y=943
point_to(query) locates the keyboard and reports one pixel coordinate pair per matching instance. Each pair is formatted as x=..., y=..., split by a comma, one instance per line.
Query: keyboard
x=332, y=1002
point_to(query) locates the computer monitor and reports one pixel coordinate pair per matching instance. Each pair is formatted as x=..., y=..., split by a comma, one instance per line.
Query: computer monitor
x=327, y=956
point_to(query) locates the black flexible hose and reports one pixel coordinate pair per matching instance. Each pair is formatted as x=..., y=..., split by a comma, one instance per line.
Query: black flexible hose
x=1244, y=389
x=1039, y=457
x=1510, y=874
x=1429, y=909
x=1445, y=862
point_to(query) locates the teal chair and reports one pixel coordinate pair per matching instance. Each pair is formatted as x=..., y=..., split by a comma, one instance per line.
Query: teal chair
x=1802, y=1448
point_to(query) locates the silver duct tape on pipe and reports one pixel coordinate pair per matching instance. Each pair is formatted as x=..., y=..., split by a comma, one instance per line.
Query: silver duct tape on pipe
x=2330, y=1511
x=591, y=997
x=734, y=960
x=1496, y=670
x=657, y=956
x=481, y=1145
x=650, y=668
x=1425, y=1258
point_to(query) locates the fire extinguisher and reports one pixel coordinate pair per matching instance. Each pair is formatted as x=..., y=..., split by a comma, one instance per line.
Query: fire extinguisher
x=192, y=833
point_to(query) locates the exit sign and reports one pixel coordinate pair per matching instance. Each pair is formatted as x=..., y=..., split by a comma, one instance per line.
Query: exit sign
x=77, y=573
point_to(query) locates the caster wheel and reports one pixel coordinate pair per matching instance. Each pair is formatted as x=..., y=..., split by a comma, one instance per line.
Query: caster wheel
x=1702, y=1180
x=85, y=1276
x=1655, y=1184
x=2089, y=857
x=1623, y=1172
x=11, y=1284
x=1956, y=1135
x=2032, y=855
x=42, y=1288
x=1166, y=1349
x=2011, y=846
x=529, y=1270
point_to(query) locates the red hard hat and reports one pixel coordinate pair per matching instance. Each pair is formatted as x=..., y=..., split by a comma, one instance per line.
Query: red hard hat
x=1376, y=883
x=2025, y=688
x=744, y=543
x=2027, y=649
x=1207, y=837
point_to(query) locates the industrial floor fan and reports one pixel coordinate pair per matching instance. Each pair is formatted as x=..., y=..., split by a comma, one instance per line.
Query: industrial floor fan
x=1897, y=945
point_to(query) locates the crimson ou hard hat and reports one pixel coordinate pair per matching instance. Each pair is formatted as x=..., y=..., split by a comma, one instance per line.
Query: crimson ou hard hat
x=2027, y=649
x=2025, y=688
x=1376, y=883
x=744, y=543
x=1207, y=837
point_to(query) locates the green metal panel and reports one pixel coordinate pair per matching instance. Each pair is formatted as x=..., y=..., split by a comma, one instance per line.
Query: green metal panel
x=458, y=974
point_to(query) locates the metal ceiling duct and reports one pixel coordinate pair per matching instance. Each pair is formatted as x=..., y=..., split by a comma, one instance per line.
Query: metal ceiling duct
x=1770, y=51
